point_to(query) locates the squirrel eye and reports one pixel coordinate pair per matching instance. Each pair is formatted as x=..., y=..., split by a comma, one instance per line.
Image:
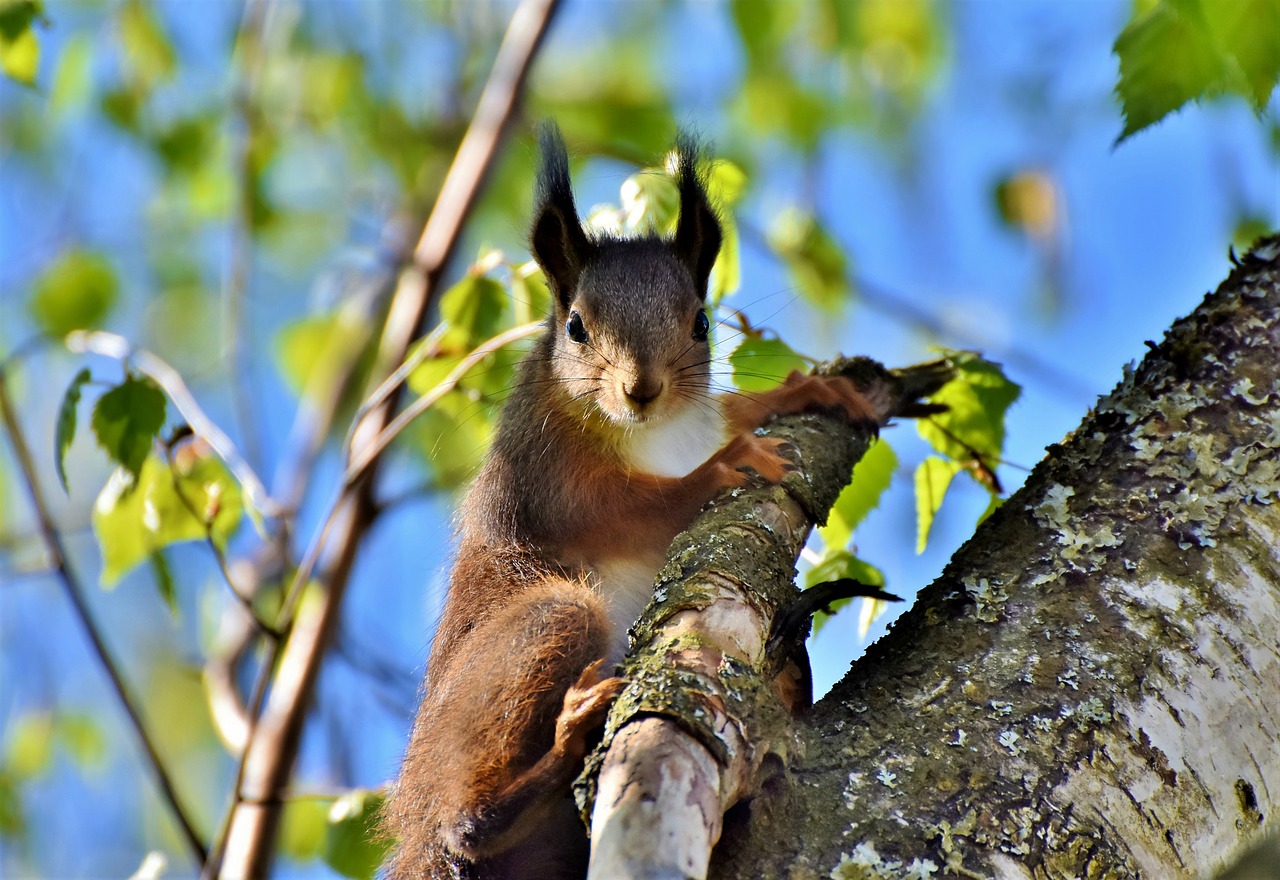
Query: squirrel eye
x=574, y=328
x=701, y=324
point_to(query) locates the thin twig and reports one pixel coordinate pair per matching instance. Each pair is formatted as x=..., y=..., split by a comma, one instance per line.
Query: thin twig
x=113, y=346
x=379, y=444
x=273, y=740
x=53, y=544
x=245, y=601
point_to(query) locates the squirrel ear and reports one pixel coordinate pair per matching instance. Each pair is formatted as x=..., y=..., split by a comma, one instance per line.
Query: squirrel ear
x=557, y=240
x=698, y=236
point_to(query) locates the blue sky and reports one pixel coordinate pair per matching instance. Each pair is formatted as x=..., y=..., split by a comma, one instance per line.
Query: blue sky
x=1025, y=85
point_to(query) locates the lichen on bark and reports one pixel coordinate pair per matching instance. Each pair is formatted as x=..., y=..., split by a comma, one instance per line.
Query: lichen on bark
x=1094, y=680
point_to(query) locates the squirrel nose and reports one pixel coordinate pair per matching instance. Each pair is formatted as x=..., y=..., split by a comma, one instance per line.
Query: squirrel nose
x=643, y=391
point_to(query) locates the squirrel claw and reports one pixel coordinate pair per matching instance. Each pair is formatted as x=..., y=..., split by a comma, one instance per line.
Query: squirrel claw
x=586, y=704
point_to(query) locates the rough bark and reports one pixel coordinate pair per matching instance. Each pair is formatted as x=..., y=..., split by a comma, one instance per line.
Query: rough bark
x=700, y=725
x=1092, y=687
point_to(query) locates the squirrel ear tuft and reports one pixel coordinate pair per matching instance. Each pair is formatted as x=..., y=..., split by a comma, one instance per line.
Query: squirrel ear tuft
x=698, y=236
x=557, y=240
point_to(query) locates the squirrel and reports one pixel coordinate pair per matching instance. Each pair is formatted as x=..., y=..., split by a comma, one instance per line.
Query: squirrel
x=609, y=445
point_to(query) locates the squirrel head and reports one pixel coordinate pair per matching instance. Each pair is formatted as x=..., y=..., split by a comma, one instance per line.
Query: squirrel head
x=629, y=327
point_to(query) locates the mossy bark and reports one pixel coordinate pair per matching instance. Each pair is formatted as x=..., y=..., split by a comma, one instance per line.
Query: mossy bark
x=1091, y=688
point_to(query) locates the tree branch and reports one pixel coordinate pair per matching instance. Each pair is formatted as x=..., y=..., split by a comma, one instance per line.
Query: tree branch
x=1092, y=687
x=699, y=727
x=273, y=741
x=71, y=584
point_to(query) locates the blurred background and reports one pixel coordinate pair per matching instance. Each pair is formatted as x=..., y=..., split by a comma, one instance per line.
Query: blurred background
x=233, y=187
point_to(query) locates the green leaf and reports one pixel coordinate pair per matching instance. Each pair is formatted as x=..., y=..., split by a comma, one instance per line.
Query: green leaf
x=454, y=435
x=65, y=431
x=165, y=586
x=650, y=202
x=148, y=54
x=76, y=292
x=12, y=819
x=19, y=56
x=933, y=477
x=126, y=420
x=73, y=75
x=760, y=364
x=355, y=845
x=315, y=352
x=82, y=737
x=1185, y=50
x=871, y=476
x=19, y=48
x=1248, y=32
x=304, y=827
x=725, y=184
x=529, y=293
x=977, y=400
x=835, y=565
x=475, y=309
x=193, y=500
x=29, y=753
x=816, y=260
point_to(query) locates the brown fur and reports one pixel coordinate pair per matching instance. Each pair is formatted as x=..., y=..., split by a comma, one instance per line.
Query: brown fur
x=514, y=683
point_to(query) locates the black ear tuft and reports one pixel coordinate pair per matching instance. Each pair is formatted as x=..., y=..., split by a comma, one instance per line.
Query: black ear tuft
x=557, y=240
x=698, y=236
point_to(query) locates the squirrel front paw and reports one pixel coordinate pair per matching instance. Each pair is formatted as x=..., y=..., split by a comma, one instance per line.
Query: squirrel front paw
x=835, y=394
x=764, y=455
x=586, y=704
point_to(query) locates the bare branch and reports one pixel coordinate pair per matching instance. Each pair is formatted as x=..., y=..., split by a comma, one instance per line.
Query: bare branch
x=696, y=728
x=273, y=741
x=53, y=543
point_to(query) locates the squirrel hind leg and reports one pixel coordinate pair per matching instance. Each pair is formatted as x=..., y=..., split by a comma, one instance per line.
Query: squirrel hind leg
x=501, y=733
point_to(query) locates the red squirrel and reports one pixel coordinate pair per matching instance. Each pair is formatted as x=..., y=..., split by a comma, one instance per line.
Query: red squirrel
x=607, y=448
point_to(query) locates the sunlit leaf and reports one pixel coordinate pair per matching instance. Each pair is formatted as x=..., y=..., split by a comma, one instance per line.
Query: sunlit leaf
x=976, y=400
x=816, y=261
x=82, y=737
x=65, y=431
x=453, y=436
x=1248, y=31
x=73, y=76
x=194, y=499
x=933, y=477
x=315, y=352
x=1185, y=50
x=126, y=420
x=838, y=564
x=871, y=477
x=74, y=293
x=29, y=751
x=19, y=55
x=760, y=364
x=650, y=202
x=354, y=846
x=148, y=54
x=529, y=293
x=19, y=46
x=475, y=309
x=304, y=827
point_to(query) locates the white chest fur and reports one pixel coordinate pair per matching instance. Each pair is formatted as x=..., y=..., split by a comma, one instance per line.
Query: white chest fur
x=626, y=585
x=673, y=447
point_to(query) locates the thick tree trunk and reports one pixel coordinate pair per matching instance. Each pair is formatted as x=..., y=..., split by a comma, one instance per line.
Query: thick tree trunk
x=1092, y=688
